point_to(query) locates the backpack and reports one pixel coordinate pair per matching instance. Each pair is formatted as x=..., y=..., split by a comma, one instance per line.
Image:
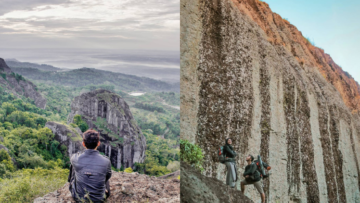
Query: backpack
x=260, y=167
x=221, y=155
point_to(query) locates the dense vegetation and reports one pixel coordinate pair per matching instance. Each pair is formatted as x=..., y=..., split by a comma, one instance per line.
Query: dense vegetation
x=191, y=154
x=35, y=162
x=149, y=107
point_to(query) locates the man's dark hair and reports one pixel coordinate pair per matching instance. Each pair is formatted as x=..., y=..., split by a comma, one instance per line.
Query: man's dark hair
x=91, y=138
x=252, y=158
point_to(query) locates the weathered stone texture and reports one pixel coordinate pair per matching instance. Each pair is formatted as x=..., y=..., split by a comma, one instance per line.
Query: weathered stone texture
x=121, y=139
x=68, y=136
x=257, y=81
x=127, y=188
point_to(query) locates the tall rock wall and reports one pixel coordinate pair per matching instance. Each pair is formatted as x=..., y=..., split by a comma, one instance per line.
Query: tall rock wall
x=122, y=140
x=249, y=75
x=19, y=86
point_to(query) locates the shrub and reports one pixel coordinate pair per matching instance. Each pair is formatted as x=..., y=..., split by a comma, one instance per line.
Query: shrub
x=192, y=154
x=173, y=166
x=27, y=184
x=128, y=170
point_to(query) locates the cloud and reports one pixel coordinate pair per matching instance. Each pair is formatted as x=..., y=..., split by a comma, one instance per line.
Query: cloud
x=99, y=23
x=11, y=5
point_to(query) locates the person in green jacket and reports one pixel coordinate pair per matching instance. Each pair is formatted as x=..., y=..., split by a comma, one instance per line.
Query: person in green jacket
x=230, y=154
x=252, y=177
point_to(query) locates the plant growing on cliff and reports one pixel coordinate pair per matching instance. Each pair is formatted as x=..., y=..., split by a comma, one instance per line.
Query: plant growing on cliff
x=79, y=122
x=192, y=154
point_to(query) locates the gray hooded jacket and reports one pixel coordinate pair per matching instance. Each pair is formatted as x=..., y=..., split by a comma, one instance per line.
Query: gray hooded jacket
x=89, y=172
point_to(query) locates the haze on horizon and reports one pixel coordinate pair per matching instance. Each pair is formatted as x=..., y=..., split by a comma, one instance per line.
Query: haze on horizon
x=104, y=34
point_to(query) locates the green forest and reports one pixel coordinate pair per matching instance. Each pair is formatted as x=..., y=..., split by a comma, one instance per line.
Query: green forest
x=34, y=163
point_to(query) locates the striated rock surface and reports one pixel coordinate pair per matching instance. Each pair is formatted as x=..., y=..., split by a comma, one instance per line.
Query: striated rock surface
x=249, y=75
x=68, y=136
x=121, y=139
x=127, y=187
x=19, y=86
x=195, y=187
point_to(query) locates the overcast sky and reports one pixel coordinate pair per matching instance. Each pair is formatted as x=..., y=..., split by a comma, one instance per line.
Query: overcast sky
x=332, y=24
x=90, y=24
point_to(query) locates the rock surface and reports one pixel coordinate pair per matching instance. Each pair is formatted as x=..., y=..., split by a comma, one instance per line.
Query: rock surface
x=127, y=187
x=195, y=187
x=68, y=136
x=19, y=87
x=249, y=75
x=121, y=139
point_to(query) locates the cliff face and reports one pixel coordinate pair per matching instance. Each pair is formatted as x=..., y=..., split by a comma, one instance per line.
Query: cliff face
x=249, y=75
x=127, y=187
x=121, y=139
x=68, y=136
x=19, y=86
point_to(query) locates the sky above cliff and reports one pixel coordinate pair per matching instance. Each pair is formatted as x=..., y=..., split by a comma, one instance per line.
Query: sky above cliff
x=331, y=24
x=67, y=33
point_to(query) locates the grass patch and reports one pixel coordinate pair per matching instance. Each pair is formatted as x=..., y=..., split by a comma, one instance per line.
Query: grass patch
x=27, y=184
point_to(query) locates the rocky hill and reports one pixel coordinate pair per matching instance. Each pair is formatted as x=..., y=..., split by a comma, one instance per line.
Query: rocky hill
x=17, y=85
x=121, y=138
x=127, y=187
x=67, y=136
x=248, y=74
x=195, y=187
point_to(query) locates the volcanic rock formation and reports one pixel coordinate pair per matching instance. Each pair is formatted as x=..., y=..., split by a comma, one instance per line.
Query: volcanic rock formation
x=250, y=75
x=127, y=187
x=195, y=187
x=68, y=136
x=121, y=139
x=19, y=86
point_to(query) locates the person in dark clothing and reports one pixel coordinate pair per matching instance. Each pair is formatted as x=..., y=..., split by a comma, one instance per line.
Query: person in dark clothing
x=230, y=154
x=90, y=171
x=252, y=177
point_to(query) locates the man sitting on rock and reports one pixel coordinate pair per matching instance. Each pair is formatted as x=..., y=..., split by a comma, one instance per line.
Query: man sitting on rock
x=252, y=177
x=90, y=171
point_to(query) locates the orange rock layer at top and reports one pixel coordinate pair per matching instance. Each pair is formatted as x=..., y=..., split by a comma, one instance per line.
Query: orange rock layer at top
x=281, y=33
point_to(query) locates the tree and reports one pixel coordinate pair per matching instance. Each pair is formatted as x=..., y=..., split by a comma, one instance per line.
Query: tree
x=8, y=107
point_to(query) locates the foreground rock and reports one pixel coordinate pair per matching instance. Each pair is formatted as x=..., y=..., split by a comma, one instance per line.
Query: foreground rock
x=19, y=86
x=127, y=187
x=68, y=136
x=248, y=74
x=196, y=187
x=121, y=139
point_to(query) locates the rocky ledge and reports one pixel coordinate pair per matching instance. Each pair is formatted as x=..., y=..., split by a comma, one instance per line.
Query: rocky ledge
x=127, y=187
x=196, y=187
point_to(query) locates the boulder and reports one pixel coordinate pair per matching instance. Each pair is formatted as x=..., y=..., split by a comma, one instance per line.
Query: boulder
x=196, y=187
